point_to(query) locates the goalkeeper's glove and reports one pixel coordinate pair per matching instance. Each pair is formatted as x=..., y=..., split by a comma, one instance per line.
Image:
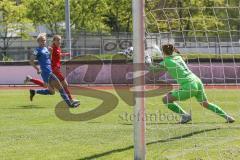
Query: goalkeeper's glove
x=156, y=52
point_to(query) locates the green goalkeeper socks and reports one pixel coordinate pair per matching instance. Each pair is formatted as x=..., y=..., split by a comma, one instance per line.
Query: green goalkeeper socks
x=214, y=108
x=217, y=109
x=175, y=108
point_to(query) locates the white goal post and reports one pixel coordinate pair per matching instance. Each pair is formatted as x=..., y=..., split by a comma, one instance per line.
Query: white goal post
x=138, y=74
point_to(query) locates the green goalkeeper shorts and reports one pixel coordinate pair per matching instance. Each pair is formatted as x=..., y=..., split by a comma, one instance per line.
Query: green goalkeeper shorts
x=188, y=90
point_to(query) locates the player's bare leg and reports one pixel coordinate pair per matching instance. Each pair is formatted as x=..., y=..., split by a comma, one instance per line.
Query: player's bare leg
x=56, y=84
x=65, y=86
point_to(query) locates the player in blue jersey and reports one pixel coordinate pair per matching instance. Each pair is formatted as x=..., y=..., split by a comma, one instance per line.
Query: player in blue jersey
x=42, y=54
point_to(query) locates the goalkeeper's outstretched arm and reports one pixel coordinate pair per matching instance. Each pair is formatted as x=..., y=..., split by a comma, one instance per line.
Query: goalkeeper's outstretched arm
x=156, y=68
x=152, y=67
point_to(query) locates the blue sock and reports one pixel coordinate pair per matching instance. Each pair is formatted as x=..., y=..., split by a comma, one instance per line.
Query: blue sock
x=43, y=91
x=65, y=96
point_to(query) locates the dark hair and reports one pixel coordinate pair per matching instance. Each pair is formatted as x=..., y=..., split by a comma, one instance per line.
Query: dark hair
x=176, y=50
x=168, y=49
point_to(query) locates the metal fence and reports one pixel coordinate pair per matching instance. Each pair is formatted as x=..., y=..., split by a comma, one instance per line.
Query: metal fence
x=100, y=43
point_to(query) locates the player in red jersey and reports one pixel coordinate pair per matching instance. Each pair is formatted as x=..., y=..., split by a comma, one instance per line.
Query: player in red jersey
x=55, y=65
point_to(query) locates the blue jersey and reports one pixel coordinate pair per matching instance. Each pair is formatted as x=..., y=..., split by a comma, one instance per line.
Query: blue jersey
x=44, y=59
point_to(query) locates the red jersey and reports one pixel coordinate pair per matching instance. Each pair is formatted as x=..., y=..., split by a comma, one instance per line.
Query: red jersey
x=56, y=57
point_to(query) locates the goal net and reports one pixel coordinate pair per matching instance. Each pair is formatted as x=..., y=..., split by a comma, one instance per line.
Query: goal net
x=207, y=33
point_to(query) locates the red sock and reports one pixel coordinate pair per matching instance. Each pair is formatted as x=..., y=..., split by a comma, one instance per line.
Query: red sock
x=68, y=93
x=37, y=81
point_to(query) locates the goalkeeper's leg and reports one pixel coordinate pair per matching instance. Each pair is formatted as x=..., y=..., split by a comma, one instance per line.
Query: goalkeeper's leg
x=202, y=99
x=168, y=100
x=216, y=109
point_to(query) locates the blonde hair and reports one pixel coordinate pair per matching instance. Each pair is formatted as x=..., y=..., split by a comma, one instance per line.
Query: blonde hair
x=41, y=35
x=56, y=37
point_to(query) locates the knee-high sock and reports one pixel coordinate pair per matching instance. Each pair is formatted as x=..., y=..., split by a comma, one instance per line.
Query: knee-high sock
x=175, y=108
x=65, y=96
x=216, y=109
x=43, y=91
x=37, y=81
x=68, y=93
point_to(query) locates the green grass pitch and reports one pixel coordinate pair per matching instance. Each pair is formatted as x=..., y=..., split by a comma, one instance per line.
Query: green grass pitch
x=31, y=130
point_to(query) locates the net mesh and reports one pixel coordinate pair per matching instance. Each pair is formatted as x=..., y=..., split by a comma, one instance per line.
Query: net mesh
x=207, y=33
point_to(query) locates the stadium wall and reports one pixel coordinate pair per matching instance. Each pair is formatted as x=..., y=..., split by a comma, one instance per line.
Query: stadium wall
x=120, y=73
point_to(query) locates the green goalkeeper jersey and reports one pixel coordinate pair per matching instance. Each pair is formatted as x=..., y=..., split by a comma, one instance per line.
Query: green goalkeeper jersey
x=176, y=68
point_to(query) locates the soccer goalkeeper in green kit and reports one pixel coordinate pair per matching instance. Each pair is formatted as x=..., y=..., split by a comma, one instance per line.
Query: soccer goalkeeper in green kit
x=190, y=85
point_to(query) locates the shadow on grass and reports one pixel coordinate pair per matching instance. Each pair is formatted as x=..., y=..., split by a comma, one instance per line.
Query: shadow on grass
x=177, y=123
x=26, y=107
x=149, y=143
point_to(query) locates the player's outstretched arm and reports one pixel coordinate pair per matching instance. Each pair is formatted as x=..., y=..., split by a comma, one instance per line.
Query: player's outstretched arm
x=63, y=54
x=32, y=63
